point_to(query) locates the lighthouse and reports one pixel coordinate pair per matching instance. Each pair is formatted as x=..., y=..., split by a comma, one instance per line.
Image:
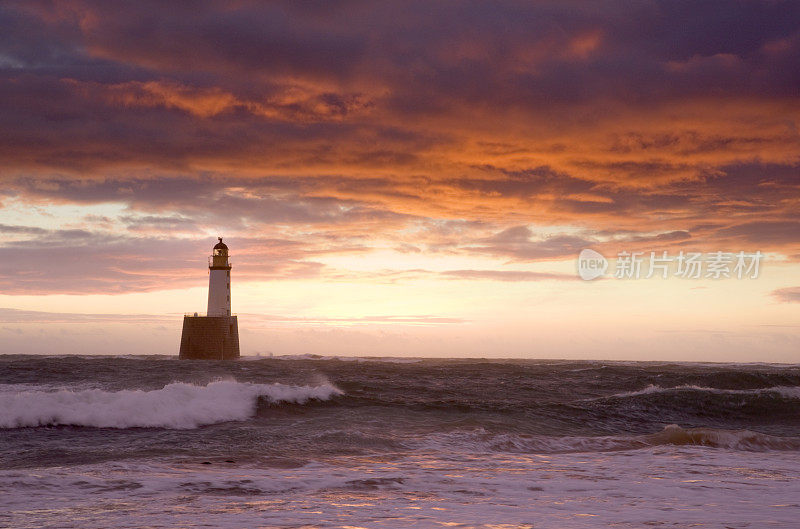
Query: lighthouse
x=215, y=335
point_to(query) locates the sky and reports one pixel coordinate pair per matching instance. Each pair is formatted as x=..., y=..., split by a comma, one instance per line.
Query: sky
x=403, y=178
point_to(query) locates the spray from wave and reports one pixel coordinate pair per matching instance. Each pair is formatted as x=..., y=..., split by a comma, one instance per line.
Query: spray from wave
x=177, y=405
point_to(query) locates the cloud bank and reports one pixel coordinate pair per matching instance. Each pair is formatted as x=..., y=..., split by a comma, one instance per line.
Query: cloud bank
x=516, y=130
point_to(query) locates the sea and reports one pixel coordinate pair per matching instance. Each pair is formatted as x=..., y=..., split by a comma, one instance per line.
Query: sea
x=326, y=442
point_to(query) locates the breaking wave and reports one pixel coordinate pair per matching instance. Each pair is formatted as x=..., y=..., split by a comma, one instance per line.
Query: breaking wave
x=788, y=392
x=177, y=405
x=481, y=441
x=718, y=438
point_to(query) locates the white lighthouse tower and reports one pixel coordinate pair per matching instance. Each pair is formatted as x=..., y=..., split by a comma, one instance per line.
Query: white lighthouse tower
x=214, y=336
x=219, y=281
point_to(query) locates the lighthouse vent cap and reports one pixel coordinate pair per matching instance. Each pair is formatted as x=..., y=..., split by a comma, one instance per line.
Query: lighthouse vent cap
x=220, y=245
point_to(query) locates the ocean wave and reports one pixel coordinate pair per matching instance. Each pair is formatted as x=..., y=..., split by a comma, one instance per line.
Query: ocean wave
x=479, y=440
x=788, y=392
x=177, y=405
x=719, y=438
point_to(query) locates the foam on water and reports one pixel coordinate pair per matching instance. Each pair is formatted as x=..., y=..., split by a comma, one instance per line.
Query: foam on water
x=788, y=392
x=664, y=487
x=177, y=405
x=481, y=441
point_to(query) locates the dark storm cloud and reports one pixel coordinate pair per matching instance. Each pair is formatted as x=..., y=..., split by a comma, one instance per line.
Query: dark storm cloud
x=576, y=196
x=526, y=54
x=153, y=222
x=59, y=124
x=524, y=183
x=237, y=202
x=765, y=184
x=520, y=243
x=418, y=58
x=766, y=232
x=658, y=238
x=259, y=37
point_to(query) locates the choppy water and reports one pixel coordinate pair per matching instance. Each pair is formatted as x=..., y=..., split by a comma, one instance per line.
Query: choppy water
x=315, y=442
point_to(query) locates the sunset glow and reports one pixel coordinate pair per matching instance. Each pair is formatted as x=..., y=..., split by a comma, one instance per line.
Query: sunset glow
x=404, y=179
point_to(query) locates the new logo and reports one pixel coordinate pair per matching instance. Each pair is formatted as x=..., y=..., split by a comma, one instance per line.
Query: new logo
x=591, y=264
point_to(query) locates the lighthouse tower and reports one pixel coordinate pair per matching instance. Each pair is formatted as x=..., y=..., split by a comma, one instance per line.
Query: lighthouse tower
x=214, y=336
x=219, y=281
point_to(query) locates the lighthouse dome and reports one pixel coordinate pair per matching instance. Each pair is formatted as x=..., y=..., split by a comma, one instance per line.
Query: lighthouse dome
x=220, y=245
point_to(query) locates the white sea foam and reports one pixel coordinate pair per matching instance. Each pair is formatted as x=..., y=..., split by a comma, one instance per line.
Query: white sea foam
x=177, y=405
x=480, y=441
x=789, y=392
x=673, y=486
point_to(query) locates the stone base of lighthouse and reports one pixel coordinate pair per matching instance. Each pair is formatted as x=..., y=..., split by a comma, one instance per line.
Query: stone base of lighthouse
x=210, y=338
